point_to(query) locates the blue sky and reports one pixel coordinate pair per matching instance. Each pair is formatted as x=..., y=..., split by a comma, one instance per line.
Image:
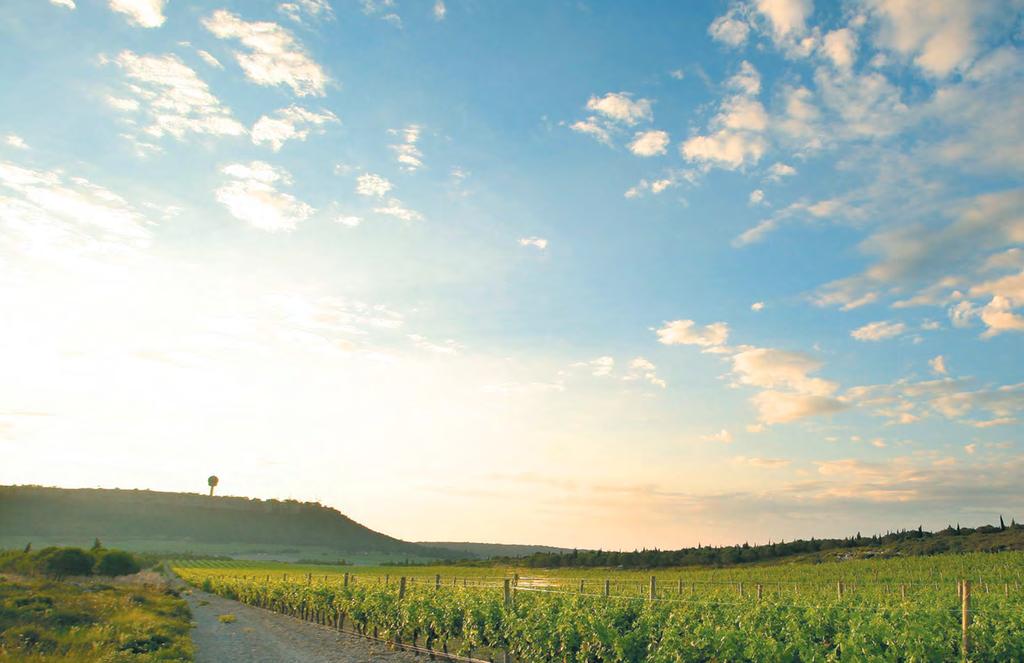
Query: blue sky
x=580, y=273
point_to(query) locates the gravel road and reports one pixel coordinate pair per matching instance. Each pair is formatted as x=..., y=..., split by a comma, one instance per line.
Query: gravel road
x=261, y=636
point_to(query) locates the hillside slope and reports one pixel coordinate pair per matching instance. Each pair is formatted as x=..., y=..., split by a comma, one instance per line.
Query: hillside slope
x=488, y=550
x=58, y=513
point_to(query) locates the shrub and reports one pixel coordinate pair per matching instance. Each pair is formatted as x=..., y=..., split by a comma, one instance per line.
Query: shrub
x=65, y=562
x=227, y=619
x=116, y=563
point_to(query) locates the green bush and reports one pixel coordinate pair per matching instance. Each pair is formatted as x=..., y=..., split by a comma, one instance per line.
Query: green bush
x=63, y=562
x=116, y=563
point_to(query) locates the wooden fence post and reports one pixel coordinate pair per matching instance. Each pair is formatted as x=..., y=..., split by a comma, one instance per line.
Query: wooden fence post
x=437, y=581
x=345, y=581
x=965, y=618
x=839, y=589
x=758, y=591
x=741, y=590
x=607, y=587
x=508, y=593
x=581, y=586
x=401, y=588
x=654, y=588
x=903, y=592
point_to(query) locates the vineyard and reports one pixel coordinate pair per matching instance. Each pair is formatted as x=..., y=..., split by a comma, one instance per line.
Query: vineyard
x=919, y=609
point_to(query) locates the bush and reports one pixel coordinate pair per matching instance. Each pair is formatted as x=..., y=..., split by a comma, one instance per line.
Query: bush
x=65, y=562
x=116, y=563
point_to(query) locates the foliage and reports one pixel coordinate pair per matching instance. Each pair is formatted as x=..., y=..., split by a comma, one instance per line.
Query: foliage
x=904, y=542
x=63, y=562
x=116, y=563
x=42, y=620
x=889, y=610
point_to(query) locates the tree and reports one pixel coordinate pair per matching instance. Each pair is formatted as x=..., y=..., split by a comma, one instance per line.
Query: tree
x=28, y=547
x=117, y=563
x=97, y=545
x=1002, y=525
x=212, y=482
x=65, y=562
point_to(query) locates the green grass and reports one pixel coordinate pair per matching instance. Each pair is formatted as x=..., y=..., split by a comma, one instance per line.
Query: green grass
x=43, y=620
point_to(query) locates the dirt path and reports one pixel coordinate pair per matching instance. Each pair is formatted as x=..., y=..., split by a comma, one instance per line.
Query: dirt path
x=261, y=636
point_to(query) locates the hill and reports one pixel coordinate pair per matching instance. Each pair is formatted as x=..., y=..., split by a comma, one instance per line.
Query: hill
x=489, y=550
x=187, y=522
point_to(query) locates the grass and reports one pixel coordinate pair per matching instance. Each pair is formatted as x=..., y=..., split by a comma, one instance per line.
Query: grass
x=226, y=619
x=80, y=622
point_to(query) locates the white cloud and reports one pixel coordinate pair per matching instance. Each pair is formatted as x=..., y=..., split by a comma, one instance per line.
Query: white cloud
x=777, y=407
x=788, y=18
x=313, y=9
x=620, y=107
x=686, y=332
x=409, y=156
x=736, y=132
x=778, y=171
x=730, y=28
x=592, y=127
x=15, y=141
x=940, y=37
x=998, y=315
x=175, y=99
x=938, y=365
x=251, y=195
x=757, y=306
x=723, y=436
x=641, y=368
x=756, y=197
x=370, y=184
x=144, y=13
x=395, y=208
x=677, y=74
x=840, y=46
x=209, y=59
x=917, y=259
x=725, y=149
x=292, y=123
x=970, y=448
x=780, y=369
x=763, y=463
x=878, y=331
x=384, y=10
x=649, y=143
x=68, y=4
x=600, y=366
x=537, y=242
x=447, y=347
x=746, y=80
x=57, y=220
x=274, y=57
x=348, y=220
x=440, y=11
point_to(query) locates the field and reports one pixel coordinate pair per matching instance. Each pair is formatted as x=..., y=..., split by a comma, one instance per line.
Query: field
x=886, y=610
x=86, y=621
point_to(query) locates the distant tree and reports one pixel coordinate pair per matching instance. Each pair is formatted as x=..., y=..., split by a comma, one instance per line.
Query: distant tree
x=212, y=483
x=1002, y=525
x=97, y=545
x=116, y=563
x=28, y=547
x=64, y=562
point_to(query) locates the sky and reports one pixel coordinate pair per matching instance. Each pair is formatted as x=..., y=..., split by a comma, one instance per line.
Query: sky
x=589, y=274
